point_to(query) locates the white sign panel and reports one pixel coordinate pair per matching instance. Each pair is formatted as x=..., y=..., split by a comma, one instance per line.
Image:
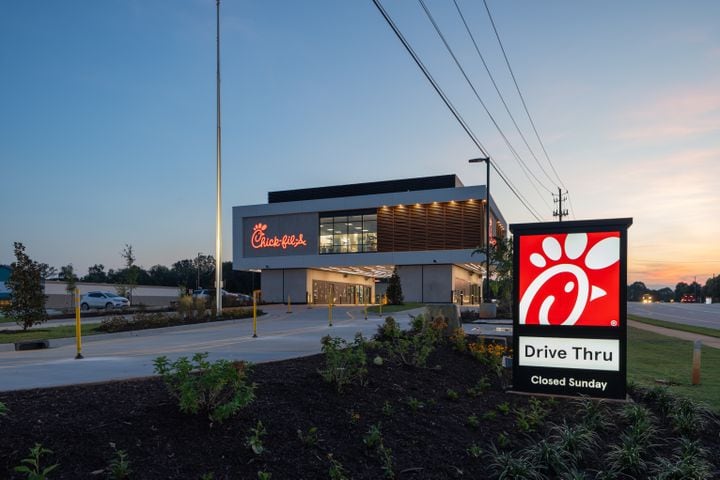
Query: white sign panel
x=577, y=353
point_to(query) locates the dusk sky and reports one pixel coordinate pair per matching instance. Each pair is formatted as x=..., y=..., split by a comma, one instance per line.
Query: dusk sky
x=107, y=117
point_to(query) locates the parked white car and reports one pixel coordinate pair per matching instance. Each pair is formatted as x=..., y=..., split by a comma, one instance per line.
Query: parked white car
x=106, y=300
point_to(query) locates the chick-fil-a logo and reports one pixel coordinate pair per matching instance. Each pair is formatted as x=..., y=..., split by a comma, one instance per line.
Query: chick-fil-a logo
x=570, y=279
x=259, y=239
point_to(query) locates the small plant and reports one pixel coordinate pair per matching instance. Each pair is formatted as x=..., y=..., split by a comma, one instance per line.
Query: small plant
x=31, y=464
x=503, y=407
x=389, y=330
x=529, y=419
x=489, y=415
x=480, y=386
x=687, y=417
x=336, y=471
x=511, y=465
x=207, y=476
x=594, y=413
x=576, y=440
x=345, y=363
x=474, y=450
x=387, y=461
x=218, y=388
x=354, y=417
x=254, y=441
x=503, y=440
x=415, y=404
x=3, y=409
x=688, y=462
x=262, y=475
x=550, y=456
x=387, y=409
x=310, y=438
x=473, y=421
x=628, y=456
x=373, y=438
x=119, y=468
x=458, y=340
x=452, y=395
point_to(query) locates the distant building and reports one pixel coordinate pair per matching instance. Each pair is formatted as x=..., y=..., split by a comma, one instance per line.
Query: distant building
x=334, y=243
x=4, y=292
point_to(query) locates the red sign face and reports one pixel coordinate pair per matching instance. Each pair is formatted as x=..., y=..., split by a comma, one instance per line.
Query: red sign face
x=570, y=279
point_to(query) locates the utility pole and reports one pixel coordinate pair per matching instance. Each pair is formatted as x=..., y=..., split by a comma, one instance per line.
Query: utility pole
x=560, y=212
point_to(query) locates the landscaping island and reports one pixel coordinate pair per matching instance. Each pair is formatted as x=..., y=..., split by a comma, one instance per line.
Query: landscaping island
x=449, y=418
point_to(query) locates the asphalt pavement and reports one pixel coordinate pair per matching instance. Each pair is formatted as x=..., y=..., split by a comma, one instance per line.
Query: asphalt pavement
x=697, y=314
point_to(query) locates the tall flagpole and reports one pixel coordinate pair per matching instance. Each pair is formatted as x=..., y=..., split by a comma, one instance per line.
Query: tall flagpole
x=218, y=211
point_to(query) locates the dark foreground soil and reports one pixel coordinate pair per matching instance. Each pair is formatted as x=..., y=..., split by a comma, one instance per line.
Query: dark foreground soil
x=79, y=424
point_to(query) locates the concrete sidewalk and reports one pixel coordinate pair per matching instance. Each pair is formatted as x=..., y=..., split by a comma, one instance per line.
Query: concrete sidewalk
x=669, y=332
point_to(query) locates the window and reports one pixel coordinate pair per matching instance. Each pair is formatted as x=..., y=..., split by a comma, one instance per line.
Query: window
x=353, y=233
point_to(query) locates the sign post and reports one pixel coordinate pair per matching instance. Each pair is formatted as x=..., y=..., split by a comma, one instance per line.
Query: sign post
x=78, y=328
x=569, y=308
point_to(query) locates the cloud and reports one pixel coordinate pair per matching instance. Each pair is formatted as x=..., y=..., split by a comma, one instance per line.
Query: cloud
x=672, y=115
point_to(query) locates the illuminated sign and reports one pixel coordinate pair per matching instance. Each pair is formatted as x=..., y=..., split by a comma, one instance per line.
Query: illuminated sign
x=570, y=279
x=259, y=239
x=569, y=328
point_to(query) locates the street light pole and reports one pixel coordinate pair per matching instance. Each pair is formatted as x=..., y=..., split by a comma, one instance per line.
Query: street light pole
x=218, y=208
x=487, y=223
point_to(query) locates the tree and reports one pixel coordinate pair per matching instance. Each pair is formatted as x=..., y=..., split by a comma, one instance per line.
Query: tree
x=665, y=294
x=681, y=289
x=27, y=301
x=501, y=260
x=712, y=287
x=636, y=291
x=131, y=271
x=394, y=290
x=96, y=274
x=68, y=274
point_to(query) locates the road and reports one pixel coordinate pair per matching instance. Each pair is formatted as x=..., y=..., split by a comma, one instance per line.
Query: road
x=697, y=314
x=281, y=335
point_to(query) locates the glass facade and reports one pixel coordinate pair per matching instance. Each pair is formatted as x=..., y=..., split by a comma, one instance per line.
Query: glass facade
x=348, y=233
x=340, y=293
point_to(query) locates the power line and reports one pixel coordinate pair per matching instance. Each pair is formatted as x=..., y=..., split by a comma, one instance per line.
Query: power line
x=497, y=89
x=449, y=104
x=526, y=170
x=522, y=98
x=477, y=95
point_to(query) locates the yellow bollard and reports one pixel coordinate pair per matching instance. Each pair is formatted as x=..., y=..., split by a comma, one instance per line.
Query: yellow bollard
x=330, y=314
x=366, y=309
x=289, y=310
x=78, y=329
x=254, y=315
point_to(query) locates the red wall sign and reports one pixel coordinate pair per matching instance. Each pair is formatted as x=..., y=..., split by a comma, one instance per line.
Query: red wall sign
x=259, y=239
x=570, y=279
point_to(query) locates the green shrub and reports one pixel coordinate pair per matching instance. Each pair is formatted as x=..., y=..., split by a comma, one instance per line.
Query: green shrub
x=115, y=324
x=409, y=348
x=217, y=388
x=31, y=465
x=191, y=307
x=336, y=471
x=345, y=363
x=3, y=409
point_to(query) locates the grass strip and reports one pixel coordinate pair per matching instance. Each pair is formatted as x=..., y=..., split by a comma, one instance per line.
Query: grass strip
x=711, y=332
x=394, y=308
x=655, y=359
x=47, y=333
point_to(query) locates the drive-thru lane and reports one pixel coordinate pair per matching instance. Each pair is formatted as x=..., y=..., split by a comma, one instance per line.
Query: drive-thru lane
x=281, y=335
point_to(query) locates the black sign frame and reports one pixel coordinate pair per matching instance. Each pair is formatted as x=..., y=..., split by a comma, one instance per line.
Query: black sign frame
x=528, y=379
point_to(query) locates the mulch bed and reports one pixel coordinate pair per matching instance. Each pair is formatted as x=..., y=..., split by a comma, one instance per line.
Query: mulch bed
x=79, y=423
